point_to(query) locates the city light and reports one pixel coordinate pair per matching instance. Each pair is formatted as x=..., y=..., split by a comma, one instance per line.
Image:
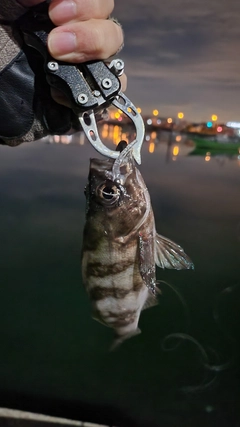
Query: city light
x=105, y=131
x=235, y=125
x=114, y=133
x=208, y=157
x=175, y=150
x=117, y=133
x=153, y=135
x=151, y=147
x=180, y=115
x=82, y=138
x=155, y=124
x=112, y=115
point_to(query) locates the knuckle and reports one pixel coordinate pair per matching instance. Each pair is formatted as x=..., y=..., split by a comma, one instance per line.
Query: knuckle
x=97, y=41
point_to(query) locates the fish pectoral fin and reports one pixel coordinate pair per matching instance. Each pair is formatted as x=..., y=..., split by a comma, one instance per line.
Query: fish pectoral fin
x=151, y=301
x=170, y=255
x=147, y=266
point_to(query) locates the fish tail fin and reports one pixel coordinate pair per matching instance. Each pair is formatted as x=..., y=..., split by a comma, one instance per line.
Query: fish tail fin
x=119, y=339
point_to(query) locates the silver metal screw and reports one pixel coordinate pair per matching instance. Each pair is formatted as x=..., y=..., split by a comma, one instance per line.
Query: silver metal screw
x=106, y=83
x=96, y=93
x=52, y=66
x=119, y=65
x=82, y=98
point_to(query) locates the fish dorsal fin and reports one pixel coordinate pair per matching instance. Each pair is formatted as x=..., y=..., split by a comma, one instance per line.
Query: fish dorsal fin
x=170, y=255
x=151, y=301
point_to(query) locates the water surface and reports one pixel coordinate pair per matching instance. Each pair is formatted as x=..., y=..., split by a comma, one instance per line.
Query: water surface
x=54, y=358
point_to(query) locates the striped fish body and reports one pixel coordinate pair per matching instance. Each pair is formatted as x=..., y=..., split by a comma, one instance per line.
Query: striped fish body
x=121, y=247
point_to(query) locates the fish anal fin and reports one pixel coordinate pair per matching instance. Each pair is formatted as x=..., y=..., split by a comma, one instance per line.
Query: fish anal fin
x=169, y=254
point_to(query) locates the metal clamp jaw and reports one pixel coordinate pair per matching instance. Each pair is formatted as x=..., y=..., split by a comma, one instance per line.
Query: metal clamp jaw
x=89, y=87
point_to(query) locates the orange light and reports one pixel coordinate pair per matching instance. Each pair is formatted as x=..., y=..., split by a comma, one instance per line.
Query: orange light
x=207, y=158
x=153, y=135
x=169, y=120
x=178, y=138
x=124, y=136
x=151, y=147
x=175, y=150
x=105, y=130
x=180, y=115
x=117, y=132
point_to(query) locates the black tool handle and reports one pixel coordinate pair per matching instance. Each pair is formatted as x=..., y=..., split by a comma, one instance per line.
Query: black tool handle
x=89, y=85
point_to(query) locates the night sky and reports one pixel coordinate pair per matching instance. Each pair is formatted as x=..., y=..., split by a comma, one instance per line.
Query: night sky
x=183, y=56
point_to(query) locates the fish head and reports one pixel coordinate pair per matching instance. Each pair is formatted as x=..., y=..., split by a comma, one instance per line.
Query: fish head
x=120, y=201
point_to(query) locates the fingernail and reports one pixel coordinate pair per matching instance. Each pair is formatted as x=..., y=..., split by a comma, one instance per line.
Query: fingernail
x=61, y=43
x=64, y=11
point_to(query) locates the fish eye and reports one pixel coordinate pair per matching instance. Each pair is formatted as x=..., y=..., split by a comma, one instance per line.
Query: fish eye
x=108, y=192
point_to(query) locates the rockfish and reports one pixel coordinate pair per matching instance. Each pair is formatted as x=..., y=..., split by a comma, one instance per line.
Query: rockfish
x=121, y=245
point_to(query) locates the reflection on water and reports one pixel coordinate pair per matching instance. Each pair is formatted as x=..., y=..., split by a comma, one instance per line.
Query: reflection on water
x=50, y=346
x=177, y=144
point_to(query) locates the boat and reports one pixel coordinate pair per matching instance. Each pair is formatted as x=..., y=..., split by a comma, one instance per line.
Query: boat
x=213, y=145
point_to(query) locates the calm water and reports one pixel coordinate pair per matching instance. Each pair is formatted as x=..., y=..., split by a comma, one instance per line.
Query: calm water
x=54, y=358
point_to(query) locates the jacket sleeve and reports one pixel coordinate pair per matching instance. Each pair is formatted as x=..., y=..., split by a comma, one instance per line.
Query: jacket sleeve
x=11, y=10
x=27, y=110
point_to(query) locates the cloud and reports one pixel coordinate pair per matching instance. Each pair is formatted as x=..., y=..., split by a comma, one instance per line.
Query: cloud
x=183, y=53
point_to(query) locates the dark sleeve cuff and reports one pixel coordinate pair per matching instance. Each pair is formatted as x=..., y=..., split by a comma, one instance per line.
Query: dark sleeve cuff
x=10, y=10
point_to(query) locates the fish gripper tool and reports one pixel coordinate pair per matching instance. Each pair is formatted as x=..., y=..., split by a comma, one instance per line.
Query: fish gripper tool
x=89, y=87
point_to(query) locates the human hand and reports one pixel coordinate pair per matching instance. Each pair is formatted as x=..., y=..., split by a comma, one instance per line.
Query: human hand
x=82, y=31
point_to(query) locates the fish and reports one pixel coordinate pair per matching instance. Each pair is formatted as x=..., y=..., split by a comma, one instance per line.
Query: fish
x=121, y=247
